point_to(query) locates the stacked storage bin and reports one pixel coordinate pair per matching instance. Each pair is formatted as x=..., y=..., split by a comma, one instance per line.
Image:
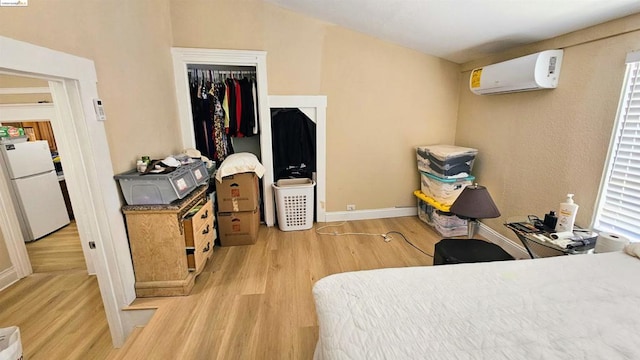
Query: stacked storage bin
x=162, y=188
x=445, y=170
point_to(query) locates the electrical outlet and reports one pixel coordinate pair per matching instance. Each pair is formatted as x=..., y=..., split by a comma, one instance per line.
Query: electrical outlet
x=351, y=207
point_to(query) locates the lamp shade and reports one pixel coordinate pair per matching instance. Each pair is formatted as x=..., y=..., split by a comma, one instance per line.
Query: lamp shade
x=474, y=202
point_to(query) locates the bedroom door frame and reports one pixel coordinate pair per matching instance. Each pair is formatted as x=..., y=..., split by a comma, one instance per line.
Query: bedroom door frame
x=182, y=57
x=37, y=113
x=83, y=144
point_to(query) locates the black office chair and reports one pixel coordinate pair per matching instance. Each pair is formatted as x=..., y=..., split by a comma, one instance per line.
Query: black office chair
x=458, y=251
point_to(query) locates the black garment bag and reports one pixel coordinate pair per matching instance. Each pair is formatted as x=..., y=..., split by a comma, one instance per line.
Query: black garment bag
x=294, y=144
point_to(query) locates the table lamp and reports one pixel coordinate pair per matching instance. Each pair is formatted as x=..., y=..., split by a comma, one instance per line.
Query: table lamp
x=473, y=203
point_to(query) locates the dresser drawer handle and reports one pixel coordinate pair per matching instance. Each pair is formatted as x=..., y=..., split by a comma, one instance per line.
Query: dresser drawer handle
x=206, y=230
x=205, y=215
x=207, y=248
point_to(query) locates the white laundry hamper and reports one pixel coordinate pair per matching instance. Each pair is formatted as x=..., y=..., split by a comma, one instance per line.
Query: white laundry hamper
x=10, y=344
x=294, y=203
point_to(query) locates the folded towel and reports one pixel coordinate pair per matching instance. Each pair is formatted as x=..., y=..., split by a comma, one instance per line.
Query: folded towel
x=633, y=249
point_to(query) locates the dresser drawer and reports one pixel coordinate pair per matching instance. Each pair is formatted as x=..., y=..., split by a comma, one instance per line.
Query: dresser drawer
x=195, y=224
x=197, y=257
x=199, y=241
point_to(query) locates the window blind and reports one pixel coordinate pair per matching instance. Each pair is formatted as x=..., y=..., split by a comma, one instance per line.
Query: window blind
x=618, y=208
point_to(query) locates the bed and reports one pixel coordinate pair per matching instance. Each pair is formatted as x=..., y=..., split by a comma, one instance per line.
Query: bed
x=569, y=307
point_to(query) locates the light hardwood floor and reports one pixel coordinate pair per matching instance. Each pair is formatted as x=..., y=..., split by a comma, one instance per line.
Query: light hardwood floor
x=59, y=251
x=250, y=302
x=255, y=302
x=58, y=308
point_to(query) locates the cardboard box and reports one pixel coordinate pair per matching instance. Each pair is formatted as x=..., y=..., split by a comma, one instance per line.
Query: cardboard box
x=238, y=228
x=238, y=192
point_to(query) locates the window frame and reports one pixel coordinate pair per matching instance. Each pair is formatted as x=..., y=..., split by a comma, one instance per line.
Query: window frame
x=630, y=87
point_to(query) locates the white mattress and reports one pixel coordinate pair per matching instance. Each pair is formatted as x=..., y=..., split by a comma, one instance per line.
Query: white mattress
x=569, y=307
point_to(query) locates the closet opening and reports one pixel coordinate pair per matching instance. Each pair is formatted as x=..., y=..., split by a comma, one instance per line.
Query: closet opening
x=224, y=110
x=294, y=146
x=214, y=66
x=313, y=106
x=298, y=130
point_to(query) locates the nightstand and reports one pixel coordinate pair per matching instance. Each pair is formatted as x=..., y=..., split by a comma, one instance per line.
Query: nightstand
x=537, y=242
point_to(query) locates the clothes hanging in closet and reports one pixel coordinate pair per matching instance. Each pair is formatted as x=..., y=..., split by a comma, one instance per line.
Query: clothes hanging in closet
x=224, y=105
x=208, y=116
x=242, y=105
x=294, y=144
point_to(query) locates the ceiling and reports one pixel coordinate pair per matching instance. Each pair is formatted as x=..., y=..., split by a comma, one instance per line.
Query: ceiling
x=463, y=30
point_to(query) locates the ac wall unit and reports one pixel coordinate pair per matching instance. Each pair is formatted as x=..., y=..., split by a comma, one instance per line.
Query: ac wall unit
x=532, y=72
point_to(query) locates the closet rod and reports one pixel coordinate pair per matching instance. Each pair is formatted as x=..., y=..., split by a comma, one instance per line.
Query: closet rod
x=220, y=67
x=204, y=71
x=198, y=75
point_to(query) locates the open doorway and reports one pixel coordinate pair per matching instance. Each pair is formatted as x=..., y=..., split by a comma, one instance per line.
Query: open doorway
x=48, y=227
x=83, y=144
x=314, y=108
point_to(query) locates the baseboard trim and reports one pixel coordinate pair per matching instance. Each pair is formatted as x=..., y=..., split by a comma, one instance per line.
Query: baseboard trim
x=8, y=277
x=515, y=250
x=371, y=214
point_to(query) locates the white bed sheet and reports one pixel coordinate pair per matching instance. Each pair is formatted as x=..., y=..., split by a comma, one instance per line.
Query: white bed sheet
x=569, y=307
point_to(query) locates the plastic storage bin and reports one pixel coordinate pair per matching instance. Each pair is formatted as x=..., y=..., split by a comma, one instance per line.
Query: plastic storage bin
x=444, y=191
x=198, y=170
x=444, y=222
x=155, y=189
x=446, y=161
x=294, y=203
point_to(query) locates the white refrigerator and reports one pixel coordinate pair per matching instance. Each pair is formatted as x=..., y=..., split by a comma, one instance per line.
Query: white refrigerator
x=36, y=192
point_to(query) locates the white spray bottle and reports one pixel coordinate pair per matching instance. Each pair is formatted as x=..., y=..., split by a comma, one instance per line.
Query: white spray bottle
x=567, y=215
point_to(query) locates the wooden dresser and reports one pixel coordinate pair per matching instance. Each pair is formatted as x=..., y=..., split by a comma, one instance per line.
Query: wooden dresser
x=170, y=244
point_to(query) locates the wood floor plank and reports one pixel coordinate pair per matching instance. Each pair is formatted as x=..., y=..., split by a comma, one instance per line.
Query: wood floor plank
x=249, y=302
x=237, y=340
x=305, y=342
x=256, y=302
x=58, y=308
x=59, y=251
